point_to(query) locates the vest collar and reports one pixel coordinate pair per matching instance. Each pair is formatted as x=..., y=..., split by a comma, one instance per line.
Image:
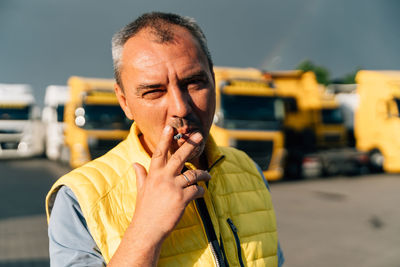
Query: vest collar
x=213, y=153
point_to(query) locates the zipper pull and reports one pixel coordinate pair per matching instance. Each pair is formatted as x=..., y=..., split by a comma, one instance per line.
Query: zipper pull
x=233, y=227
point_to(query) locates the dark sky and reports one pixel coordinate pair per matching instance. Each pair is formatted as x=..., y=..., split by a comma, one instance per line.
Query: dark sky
x=44, y=42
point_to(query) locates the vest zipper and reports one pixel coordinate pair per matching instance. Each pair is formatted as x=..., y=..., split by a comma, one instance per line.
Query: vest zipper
x=223, y=252
x=235, y=234
x=210, y=232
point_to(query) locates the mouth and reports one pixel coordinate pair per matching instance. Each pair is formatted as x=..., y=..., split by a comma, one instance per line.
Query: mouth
x=184, y=133
x=184, y=128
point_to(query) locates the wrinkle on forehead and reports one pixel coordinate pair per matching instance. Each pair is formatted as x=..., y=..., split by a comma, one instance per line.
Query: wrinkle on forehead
x=144, y=46
x=148, y=62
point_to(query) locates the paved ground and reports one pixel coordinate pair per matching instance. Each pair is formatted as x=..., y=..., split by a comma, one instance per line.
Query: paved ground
x=23, y=227
x=340, y=221
x=322, y=222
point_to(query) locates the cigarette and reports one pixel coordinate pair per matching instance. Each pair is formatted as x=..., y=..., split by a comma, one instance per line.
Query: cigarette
x=177, y=136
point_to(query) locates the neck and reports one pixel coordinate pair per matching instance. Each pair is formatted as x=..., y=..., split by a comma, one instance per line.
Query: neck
x=200, y=162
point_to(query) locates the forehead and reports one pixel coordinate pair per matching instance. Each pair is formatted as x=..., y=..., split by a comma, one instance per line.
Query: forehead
x=144, y=52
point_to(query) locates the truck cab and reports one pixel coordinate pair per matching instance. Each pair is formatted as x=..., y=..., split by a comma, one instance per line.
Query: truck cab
x=249, y=117
x=21, y=133
x=377, y=121
x=329, y=126
x=313, y=119
x=94, y=121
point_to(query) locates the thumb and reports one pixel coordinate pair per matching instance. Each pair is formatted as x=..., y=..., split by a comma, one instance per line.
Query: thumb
x=141, y=174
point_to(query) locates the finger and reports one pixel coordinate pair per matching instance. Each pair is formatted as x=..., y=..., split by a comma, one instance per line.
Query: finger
x=178, y=159
x=160, y=154
x=141, y=174
x=191, y=177
x=193, y=192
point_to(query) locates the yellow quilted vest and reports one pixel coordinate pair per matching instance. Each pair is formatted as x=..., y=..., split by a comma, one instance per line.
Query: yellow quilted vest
x=237, y=200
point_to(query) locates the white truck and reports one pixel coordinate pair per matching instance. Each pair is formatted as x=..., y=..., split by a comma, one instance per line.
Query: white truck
x=53, y=118
x=21, y=133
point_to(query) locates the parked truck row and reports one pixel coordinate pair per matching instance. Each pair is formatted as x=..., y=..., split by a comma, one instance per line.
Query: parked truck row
x=285, y=121
x=21, y=132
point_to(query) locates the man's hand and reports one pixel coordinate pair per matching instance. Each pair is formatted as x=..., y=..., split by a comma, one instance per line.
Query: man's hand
x=162, y=196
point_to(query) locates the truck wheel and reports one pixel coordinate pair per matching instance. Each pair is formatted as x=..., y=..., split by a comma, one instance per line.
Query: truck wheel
x=376, y=161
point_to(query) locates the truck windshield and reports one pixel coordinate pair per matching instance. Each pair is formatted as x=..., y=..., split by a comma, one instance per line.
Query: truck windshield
x=251, y=112
x=332, y=116
x=17, y=112
x=104, y=117
x=60, y=113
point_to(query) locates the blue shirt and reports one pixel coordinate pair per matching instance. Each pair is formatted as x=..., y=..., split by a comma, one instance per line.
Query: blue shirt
x=70, y=242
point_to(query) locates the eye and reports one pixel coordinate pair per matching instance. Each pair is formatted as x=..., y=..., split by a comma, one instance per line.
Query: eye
x=153, y=93
x=196, y=84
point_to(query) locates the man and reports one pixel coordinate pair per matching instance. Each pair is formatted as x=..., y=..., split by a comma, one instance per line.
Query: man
x=167, y=195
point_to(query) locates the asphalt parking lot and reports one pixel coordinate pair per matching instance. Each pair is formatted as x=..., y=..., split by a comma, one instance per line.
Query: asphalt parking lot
x=336, y=221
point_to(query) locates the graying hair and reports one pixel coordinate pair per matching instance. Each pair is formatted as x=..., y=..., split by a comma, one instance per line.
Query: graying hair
x=159, y=23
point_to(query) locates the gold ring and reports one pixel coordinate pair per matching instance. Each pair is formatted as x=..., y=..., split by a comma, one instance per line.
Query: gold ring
x=187, y=179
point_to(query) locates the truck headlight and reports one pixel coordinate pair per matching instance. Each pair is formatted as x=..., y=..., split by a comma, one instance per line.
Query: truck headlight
x=23, y=147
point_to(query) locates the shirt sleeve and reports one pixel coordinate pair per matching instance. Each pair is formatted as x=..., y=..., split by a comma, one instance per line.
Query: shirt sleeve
x=70, y=242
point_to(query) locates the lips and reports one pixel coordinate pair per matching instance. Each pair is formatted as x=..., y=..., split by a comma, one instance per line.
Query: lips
x=184, y=127
x=185, y=133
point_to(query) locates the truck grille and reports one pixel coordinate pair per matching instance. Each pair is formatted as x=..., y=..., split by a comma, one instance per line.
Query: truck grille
x=9, y=145
x=10, y=131
x=259, y=151
x=102, y=146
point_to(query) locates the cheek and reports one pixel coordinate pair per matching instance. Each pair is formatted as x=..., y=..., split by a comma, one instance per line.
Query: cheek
x=149, y=117
x=209, y=105
x=206, y=102
x=205, y=108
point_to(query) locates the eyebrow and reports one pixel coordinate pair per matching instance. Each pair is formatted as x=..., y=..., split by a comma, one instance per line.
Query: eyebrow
x=198, y=75
x=144, y=87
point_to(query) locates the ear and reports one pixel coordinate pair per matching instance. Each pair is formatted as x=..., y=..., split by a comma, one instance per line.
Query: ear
x=119, y=92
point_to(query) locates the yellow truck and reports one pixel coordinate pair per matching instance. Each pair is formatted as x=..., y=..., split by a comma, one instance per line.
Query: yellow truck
x=94, y=121
x=377, y=121
x=329, y=125
x=249, y=117
x=313, y=121
x=312, y=115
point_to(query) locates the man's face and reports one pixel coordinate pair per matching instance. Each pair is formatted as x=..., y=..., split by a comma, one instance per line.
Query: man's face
x=167, y=84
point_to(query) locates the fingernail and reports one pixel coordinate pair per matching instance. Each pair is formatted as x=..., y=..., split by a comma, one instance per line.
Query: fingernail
x=167, y=129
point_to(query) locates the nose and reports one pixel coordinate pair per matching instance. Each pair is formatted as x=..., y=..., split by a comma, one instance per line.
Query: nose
x=179, y=102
